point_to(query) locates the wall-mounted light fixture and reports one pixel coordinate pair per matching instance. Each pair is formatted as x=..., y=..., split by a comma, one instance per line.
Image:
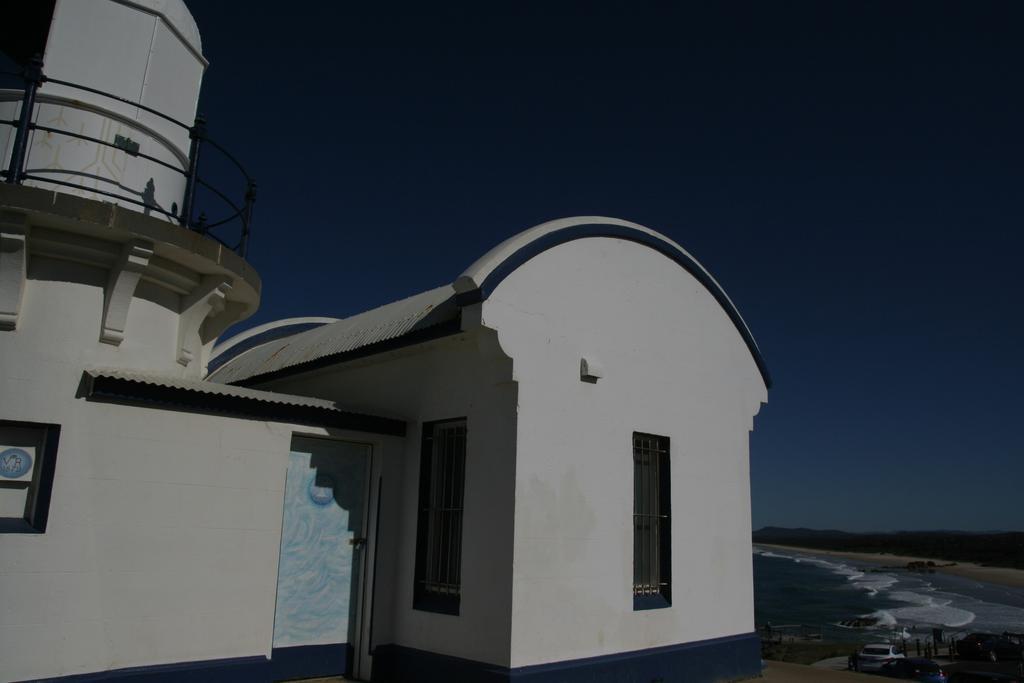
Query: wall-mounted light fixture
x=591, y=370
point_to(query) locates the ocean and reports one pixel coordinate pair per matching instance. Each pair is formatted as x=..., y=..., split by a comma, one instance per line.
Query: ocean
x=821, y=592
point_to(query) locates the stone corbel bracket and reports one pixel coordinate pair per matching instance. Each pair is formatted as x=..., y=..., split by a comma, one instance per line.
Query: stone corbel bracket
x=207, y=299
x=13, y=264
x=117, y=297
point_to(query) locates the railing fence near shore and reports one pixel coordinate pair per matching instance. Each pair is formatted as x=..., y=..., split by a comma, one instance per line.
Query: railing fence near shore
x=922, y=645
x=239, y=210
x=938, y=643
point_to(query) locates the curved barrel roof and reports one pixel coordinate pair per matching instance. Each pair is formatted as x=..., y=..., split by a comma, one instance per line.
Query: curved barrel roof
x=437, y=311
x=480, y=279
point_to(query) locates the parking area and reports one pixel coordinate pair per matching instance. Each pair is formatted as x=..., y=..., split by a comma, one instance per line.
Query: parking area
x=784, y=672
x=1010, y=668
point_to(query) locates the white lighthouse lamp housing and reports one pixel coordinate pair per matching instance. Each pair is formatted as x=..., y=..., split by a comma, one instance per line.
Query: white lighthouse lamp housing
x=142, y=63
x=105, y=109
x=107, y=257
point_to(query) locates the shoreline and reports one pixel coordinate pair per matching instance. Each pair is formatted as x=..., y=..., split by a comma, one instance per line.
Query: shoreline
x=1002, y=576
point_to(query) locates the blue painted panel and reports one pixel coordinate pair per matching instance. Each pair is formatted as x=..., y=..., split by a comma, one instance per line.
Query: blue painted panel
x=237, y=670
x=318, y=573
x=285, y=664
x=310, y=661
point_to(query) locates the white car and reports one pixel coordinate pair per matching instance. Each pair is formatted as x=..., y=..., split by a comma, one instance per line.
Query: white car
x=873, y=655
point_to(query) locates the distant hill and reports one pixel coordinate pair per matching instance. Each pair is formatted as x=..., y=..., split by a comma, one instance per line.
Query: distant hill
x=769, y=532
x=996, y=549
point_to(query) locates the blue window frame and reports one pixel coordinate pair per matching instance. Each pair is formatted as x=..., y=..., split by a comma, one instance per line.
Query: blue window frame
x=28, y=460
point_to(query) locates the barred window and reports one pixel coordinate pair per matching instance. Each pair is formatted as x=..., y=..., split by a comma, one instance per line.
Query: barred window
x=652, y=522
x=439, y=530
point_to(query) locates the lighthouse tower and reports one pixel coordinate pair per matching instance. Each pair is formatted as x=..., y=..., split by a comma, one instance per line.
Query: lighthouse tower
x=106, y=269
x=103, y=263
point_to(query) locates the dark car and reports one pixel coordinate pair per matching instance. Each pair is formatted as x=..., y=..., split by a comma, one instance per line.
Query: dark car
x=914, y=669
x=983, y=677
x=988, y=646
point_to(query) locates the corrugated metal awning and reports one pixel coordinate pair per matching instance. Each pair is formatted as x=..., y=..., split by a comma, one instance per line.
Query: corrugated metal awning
x=125, y=386
x=424, y=314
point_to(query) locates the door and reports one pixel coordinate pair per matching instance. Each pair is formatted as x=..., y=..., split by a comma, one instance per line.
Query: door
x=323, y=536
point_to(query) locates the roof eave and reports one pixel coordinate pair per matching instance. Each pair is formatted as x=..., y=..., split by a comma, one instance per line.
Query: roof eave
x=126, y=391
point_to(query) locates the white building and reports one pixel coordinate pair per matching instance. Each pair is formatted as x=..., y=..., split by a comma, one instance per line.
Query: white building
x=536, y=473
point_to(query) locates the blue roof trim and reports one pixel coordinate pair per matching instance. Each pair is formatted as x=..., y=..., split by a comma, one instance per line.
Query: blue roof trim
x=575, y=232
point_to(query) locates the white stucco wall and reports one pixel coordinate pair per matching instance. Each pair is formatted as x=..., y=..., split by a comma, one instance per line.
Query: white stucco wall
x=462, y=376
x=161, y=544
x=675, y=366
x=163, y=536
x=164, y=527
x=112, y=289
x=61, y=318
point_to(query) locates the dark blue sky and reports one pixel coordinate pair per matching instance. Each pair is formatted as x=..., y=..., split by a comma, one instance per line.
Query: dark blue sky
x=850, y=172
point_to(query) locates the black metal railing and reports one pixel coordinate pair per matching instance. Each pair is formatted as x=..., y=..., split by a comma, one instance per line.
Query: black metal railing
x=239, y=210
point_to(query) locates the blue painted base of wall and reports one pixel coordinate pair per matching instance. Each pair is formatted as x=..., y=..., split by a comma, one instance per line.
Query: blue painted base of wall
x=306, y=661
x=731, y=658
x=310, y=661
x=721, y=659
x=229, y=670
x=397, y=664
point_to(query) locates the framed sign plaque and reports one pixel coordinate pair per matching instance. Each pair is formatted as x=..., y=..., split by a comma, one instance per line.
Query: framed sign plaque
x=28, y=459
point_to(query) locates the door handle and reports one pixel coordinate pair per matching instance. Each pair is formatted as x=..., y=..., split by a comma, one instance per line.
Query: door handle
x=357, y=542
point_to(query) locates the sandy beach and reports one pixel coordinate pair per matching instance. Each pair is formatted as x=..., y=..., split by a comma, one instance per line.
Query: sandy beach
x=998, y=575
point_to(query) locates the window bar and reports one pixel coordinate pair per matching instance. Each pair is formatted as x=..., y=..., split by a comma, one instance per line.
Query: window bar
x=449, y=458
x=450, y=514
x=443, y=504
x=640, y=519
x=449, y=519
x=439, y=449
x=652, y=548
x=434, y=570
x=638, y=527
x=637, y=541
x=429, y=514
x=463, y=446
x=649, y=521
x=655, y=525
x=437, y=577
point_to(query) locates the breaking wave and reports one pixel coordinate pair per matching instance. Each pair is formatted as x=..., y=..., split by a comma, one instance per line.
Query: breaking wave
x=923, y=607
